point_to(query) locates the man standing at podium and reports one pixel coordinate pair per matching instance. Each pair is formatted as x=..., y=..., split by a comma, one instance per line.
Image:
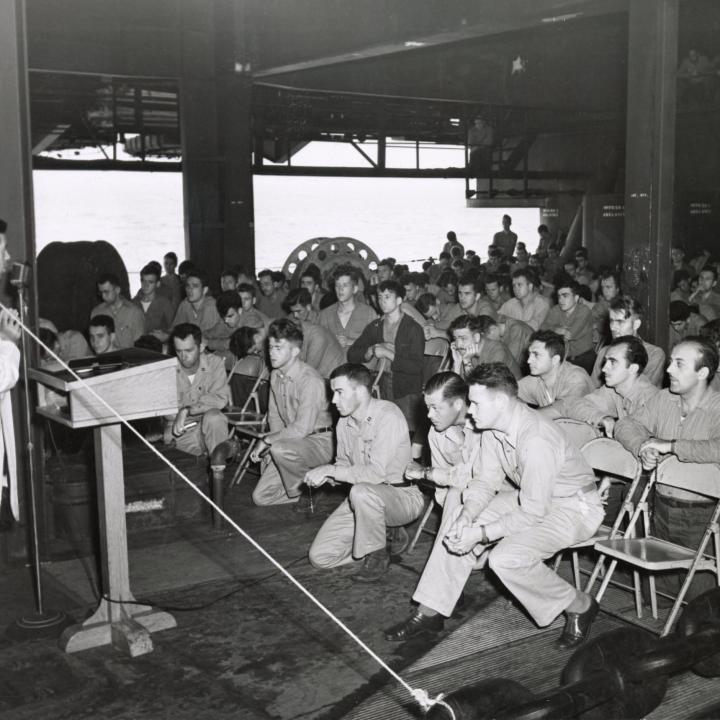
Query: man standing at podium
x=203, y=391
x=9, y=373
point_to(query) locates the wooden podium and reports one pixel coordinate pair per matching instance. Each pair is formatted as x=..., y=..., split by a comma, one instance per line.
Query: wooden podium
x=137, y=384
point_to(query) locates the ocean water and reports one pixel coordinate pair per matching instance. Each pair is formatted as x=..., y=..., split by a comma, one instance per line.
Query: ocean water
x=141, y=214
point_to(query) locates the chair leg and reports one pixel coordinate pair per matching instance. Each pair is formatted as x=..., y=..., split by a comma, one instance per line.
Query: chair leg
x=638, y=593
x=421, y=526
x=606, y=581
x=597, y=570
x=558, y=560
x=243, y=466
x=576, y=569
x=653, y=597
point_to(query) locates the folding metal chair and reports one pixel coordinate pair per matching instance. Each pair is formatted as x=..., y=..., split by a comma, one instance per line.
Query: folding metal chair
x=608, y=458
x=435, y=357
x=248, y=425
x=653, y=554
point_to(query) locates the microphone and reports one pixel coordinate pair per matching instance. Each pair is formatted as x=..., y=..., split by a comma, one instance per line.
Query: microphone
x=20, y=274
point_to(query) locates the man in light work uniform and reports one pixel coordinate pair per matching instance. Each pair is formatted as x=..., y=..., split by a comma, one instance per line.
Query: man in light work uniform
x=300, y=434
x=128, y=318
x=373, y=450
x=554, y=504
x=203, y=391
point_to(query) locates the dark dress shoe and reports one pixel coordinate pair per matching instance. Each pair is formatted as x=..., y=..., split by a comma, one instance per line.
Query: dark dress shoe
x=577, y=626
x=416, y=624
x=375, y=565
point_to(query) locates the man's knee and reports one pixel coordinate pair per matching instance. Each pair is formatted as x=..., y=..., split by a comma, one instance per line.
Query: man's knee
x=320, y=558
x=213, y=419
x=506, y=557
x=363, y=494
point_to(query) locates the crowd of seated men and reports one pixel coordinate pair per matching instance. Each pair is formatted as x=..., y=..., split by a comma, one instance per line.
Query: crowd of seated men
x=451, y=378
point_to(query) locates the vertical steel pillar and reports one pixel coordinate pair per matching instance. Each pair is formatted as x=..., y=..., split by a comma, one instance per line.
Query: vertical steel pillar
x=16, y=206
x=650, y=158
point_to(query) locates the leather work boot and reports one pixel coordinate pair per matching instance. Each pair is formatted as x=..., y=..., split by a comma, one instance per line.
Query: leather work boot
x=415, y=624
x=375, y=565
x=397, y=539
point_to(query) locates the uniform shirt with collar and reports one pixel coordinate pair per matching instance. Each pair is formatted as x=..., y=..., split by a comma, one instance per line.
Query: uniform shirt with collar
x=129, y=321
x=159, y=315
x=171, y=287
x=454, y=449
x=516, y=337
x=537, y=457
x=607, y=401
x=533, y=313
x=272, y=306
x=697, y=435
x=578, y=322
x=360, y=317
x=205, y=316
x=708, y=303
x=654, y=370
x=375, y=449
x=320, y=349
x=570, y=381
x=208, y=390
x=483, y=306
x=298, y=402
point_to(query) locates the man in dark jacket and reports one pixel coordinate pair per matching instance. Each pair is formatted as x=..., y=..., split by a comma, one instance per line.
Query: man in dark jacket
x=396, y=341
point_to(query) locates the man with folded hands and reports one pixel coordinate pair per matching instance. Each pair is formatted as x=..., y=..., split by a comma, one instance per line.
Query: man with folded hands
x=553, y=504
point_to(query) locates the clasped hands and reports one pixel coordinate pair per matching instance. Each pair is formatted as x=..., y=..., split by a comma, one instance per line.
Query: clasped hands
x=319, y=476
x=463, y=535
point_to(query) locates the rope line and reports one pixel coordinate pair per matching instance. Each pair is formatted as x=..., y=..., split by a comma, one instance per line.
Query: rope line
x=418, y=694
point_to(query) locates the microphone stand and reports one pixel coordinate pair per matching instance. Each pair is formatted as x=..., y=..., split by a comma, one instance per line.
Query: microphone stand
x=41, y=622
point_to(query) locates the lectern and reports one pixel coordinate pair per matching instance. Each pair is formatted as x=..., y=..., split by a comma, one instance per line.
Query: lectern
x=137, y=384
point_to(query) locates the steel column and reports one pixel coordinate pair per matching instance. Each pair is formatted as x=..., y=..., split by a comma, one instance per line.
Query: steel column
x=650, y=158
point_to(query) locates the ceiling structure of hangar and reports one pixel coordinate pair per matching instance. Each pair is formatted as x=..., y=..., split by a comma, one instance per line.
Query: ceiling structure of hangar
x=342, y=70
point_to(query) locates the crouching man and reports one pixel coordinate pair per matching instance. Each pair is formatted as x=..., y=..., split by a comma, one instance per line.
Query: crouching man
x=554, y=504
x=203, y=391
x=373, y=450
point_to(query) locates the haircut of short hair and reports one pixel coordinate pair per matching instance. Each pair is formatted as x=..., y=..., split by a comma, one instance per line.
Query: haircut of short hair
x=346, y=270
x=678, y=276
x=392, y=286
x=150, y=269
x=201, y=275
x=452, y=385
x=227, y=300
x=581, y=252
x=710, y=269
x=635, y=351
x=246, y=287
x=543, y=228
x=242, y=340
x=424, y=303
x=707, y=354
x=628, y=305
x=679, y=311
x=312, y=271
x=607, y=274
x=286, y=329
x=355, y=373
x=711, y=331
x=444, y=255
x=185, y=267
x=170, y=255
x=527, y=273
x=111, y=278
x=103, y=321
x=494, y=376
x=387, y=262
x=265, y=273
x=567, y=282
x=471, y=277
x=278, y=276
x=185, y=330
x=554, y=343
x=229, y=272
x=297, y=296
x=447, y=277
x=149, y=342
